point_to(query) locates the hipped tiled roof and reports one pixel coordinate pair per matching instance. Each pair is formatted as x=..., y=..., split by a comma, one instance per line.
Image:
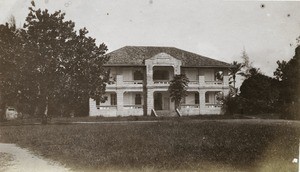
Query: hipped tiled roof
x=135, y=56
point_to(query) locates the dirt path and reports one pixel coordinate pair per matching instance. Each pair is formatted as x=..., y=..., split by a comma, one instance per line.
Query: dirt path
x=16, y=159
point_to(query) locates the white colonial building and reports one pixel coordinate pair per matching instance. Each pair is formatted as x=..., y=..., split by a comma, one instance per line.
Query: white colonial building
x=139, y=81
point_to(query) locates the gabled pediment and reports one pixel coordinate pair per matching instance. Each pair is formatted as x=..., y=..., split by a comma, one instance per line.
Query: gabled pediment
x=163, y=59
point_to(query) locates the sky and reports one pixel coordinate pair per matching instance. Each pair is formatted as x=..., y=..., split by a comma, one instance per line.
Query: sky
x=266, y=30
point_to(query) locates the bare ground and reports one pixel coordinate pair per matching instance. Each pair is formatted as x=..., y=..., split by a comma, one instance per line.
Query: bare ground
x=16, y=159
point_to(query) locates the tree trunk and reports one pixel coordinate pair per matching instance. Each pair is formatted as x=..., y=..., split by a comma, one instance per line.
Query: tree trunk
x=3, y=111
x=177, y=105
x=233, y=77
x=45, y=114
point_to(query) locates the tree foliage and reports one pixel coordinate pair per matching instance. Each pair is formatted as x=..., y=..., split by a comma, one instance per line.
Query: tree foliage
x=260, y=93
x=279, y=70
x=246, y=65
x=11, y=45
x=234, y=71
x=49, y=65
x=178, y=89
x=288, y=73
x=232, y=104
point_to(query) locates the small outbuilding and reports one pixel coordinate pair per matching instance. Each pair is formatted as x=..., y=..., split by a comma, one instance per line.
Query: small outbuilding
x=11, y=113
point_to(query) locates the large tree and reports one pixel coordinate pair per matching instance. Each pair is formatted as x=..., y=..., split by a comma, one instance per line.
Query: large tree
x=178, y=89
x=288, y=73
x=58, y=67
x=260, y=93
x=11, y=46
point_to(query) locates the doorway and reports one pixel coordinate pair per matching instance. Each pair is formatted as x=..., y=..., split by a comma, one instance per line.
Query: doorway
x=161, y=101
x=157, y=101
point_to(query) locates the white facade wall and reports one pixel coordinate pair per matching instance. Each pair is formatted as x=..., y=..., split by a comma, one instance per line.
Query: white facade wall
x=190, y=111
x=192, y=74
x=190, y=98
x=209, y=74
x=129, y=98
x=101, y=111
x=128, y=74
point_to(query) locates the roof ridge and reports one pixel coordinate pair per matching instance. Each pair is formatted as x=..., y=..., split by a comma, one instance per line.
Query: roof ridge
x=137, y=54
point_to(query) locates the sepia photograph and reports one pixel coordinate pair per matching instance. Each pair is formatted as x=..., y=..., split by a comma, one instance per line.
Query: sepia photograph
x=149, y=85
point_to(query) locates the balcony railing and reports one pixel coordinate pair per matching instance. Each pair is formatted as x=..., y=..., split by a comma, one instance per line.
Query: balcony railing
x=133, y=106
x=214, y=82
x=194, y=82
x=213, y=105
x=133, y=82
x=161, y=82
x=137, y=83
x=190, y=106
x=106, y=107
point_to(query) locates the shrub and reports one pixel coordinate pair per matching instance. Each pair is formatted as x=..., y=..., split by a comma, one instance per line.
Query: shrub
x=232, y=105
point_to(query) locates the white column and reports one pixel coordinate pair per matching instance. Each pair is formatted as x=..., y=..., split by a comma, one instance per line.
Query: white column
x=119, y=79
x=176, y=69
x=149, y=74
x=226, y=80
x=120, y=95
x=202, y=101
x=201, y=80
x=225, y=92
x=92, y=107
x=150, y=101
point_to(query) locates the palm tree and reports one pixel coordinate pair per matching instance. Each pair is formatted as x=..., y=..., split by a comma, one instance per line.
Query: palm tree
x=234, y=71
x=178, y=89
x=249, y=72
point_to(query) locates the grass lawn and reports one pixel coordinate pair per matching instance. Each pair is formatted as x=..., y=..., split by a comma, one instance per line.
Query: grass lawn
x=168, y=145
x=63, y=120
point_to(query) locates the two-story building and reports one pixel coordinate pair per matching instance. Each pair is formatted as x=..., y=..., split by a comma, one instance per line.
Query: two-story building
x=140, y=76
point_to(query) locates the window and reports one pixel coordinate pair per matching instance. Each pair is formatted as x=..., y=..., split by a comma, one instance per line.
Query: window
x=97, y=102
x=113, y=99
x=161, y=75
x=196, y=98
x=138, y=75
x=138, y=99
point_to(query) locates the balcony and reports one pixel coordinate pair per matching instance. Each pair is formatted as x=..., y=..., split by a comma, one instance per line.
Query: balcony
x=213, y=105
x=161, y=82
x=133, y=82
x=207, y=83
x=119, y=82
x=214, y=82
